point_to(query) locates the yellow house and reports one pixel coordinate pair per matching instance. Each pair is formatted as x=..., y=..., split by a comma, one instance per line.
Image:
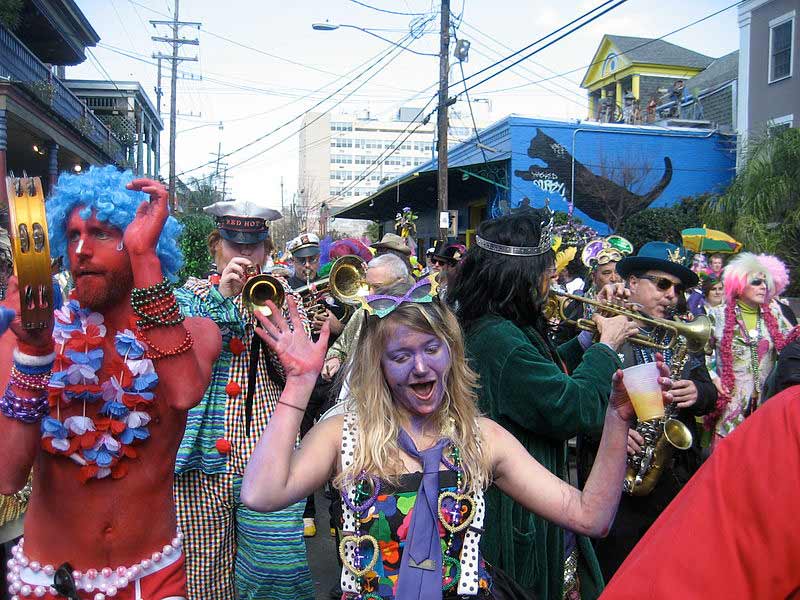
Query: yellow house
x=632, y=71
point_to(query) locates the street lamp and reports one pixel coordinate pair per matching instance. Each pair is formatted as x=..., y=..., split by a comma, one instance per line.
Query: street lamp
x=328, y=26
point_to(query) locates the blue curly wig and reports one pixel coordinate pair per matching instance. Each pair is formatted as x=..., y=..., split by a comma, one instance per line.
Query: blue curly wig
x=102, y=189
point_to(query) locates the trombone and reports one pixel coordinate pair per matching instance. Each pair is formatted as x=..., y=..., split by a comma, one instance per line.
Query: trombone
x=696, y=332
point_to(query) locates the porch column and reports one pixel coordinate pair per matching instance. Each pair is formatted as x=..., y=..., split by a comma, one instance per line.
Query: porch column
x=139, y=142
x=52, y=167
x=3, y=147
x=635, y=86
x=157, y=154
x=149, y=148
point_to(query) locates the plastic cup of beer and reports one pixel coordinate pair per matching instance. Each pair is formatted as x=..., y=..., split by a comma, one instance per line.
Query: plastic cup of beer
x=644, y=391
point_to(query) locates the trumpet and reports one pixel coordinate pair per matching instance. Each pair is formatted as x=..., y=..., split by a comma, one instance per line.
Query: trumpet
x=260, y=288
x=695, y=332
x=347, y=281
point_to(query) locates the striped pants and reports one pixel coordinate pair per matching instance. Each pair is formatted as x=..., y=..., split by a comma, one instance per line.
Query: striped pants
x=233, y=553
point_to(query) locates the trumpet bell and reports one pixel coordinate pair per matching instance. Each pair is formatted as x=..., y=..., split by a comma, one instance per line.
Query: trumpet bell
x=348, y=279
x=260, y=289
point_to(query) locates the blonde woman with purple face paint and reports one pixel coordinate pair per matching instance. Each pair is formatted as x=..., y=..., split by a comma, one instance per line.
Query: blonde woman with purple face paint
x=412, y=456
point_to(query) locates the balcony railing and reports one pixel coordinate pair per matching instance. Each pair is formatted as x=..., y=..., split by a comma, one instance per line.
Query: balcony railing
x=21, y=67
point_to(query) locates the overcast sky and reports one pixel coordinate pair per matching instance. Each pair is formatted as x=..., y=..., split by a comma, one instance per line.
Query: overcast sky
x=282, y=67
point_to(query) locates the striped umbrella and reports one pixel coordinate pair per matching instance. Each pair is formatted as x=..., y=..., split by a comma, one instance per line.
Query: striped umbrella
x=703, y=239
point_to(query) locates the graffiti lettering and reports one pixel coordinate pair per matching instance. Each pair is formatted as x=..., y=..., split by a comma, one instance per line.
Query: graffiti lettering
x=558, y=149
x=551, y=186
x=535, y=174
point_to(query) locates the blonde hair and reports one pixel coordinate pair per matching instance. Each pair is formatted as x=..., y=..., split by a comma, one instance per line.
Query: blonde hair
x=377, y=451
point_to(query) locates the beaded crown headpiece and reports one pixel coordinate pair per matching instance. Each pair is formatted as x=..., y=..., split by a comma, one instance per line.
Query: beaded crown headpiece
x=544, y=245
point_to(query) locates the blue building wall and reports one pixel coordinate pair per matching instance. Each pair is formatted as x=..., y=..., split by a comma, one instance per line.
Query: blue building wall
x=659, y=165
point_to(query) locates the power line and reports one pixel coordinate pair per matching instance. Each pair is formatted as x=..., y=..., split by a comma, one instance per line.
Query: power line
x=306, y=125
x=384, y=10
x=597, y=62
x=525, y=68
x=295, y=118
x=547, y=45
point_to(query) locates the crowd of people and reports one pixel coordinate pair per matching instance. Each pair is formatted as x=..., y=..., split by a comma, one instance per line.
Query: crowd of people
x=177, y=432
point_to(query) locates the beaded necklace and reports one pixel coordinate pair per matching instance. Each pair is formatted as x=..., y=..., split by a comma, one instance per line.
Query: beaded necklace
x=751, y=340
x=456, y=511
x=82, y=372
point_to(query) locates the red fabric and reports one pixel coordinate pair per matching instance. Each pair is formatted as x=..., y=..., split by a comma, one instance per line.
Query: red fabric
x=733, y=531
x=167, y=582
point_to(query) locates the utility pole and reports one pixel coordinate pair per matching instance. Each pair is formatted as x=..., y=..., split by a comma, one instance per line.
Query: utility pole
x=441, y=115
x=176, y=42
x=159, y=92
x=281, y=195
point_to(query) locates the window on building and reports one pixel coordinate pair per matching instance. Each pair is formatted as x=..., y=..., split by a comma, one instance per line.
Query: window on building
x=781, y=32
x=778, y=124
x=341, y=126
x=341, y=159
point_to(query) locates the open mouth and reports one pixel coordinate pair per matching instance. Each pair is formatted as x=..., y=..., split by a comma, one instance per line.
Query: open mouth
x=423, y=391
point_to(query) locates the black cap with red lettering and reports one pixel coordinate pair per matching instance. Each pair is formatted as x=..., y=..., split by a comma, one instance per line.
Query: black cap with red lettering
x=242, y=221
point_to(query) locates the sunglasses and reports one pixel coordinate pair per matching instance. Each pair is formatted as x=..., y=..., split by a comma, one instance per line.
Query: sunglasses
x=381, y=305
x=439, y=262
x=664, y=284
x=758, y=281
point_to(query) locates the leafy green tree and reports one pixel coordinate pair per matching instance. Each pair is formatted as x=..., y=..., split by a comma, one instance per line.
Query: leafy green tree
x=193, y=243
x=761, y=208
x=201, y=193
x=374, y=231
x=662, y=224
x=10, y=13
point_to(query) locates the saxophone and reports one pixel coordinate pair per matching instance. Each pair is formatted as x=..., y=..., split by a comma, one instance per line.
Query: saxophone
x=664, y=434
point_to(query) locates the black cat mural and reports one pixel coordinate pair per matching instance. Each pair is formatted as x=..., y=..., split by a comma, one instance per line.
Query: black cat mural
x=597, y=197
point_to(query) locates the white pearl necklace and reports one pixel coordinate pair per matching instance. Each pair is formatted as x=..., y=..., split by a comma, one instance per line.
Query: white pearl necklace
x=107, y=582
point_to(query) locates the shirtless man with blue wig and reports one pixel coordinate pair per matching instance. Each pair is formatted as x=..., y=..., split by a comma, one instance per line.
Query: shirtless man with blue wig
x=97, y=405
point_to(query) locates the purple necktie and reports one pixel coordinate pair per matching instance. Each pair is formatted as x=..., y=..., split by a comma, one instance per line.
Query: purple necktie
x=421, y=565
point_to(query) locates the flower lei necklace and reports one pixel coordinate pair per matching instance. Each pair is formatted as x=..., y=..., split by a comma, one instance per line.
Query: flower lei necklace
x=124, y=382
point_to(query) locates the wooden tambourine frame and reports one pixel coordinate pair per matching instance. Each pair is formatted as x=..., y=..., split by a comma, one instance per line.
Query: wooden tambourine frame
x=30, y=247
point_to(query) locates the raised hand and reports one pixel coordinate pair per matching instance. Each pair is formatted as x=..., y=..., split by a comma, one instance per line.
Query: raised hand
x=141, y=236
x=301, y=358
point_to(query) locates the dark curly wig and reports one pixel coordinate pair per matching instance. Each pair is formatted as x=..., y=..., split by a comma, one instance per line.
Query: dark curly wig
x=506, y=286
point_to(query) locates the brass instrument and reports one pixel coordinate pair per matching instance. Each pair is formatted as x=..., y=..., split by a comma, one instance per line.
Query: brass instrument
x=259, y=288
x=556, y=304
x=30, y=248
x=346, y=282
x=663, y=435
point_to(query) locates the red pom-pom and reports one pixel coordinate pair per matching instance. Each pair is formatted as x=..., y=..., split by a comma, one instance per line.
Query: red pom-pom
x=223, y=446
x=233, y=389
x=236, y=345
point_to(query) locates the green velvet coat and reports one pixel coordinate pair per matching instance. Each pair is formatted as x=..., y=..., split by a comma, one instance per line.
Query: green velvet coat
x=523, y=389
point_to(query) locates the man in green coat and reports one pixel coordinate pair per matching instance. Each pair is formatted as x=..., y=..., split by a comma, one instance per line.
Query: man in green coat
x=542, y=394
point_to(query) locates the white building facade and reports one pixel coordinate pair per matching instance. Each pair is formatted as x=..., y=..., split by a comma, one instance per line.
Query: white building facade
x=347, y=157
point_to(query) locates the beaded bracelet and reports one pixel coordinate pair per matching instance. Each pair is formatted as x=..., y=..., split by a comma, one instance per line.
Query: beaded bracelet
x=25, y=409
x=153, y=292
x=33, y=370
x=154, y=352
x=35, y=383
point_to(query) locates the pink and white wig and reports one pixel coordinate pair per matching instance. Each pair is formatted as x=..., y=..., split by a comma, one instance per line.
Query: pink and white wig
x=736, y=276
x=740, y=270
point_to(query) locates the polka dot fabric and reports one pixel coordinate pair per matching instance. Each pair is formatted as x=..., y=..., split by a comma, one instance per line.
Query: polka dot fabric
x=470, y=560
x=348, y=580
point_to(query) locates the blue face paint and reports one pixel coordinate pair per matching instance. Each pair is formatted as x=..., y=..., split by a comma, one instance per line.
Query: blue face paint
x=415, y=365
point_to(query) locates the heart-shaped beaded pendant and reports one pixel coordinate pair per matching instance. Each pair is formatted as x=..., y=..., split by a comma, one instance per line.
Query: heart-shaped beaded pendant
x=358, y=540
x=458, y=500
